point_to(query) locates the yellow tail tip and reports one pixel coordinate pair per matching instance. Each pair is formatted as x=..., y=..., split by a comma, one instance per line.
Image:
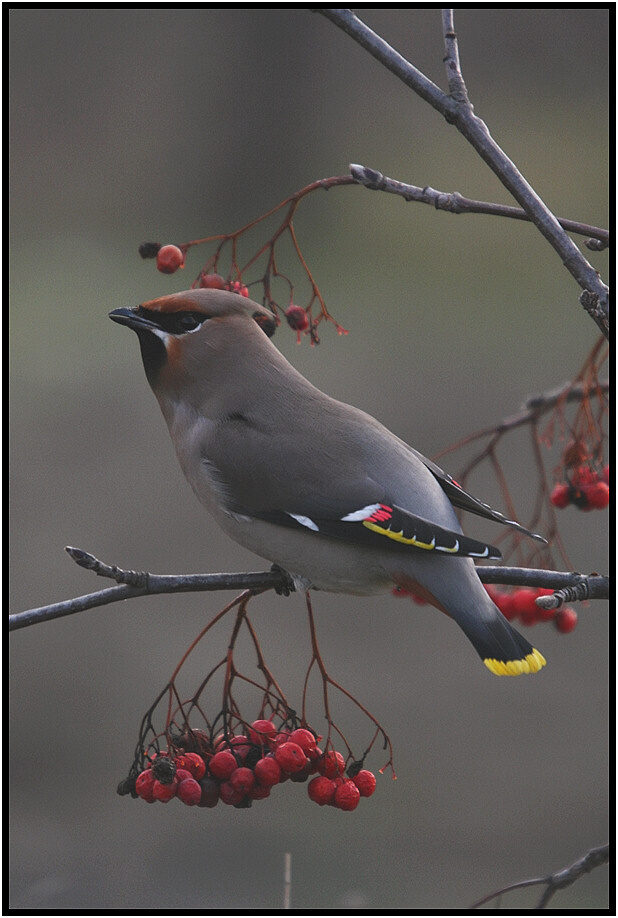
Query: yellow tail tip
x=532, y=663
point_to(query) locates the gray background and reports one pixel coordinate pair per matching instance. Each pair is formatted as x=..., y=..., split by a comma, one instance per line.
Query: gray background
x=173, y=124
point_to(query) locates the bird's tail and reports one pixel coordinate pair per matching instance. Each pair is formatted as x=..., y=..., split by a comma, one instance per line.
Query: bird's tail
x=503, y=650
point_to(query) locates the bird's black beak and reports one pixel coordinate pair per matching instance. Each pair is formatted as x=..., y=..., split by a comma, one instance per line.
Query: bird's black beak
x=132, y=319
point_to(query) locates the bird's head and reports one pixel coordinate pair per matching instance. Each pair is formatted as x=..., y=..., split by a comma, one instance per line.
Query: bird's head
x=184, y=334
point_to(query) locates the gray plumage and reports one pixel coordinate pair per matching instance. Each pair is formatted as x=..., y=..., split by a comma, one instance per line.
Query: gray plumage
x=309, y=483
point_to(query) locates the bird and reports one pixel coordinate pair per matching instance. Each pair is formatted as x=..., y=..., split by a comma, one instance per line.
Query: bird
x=319, y=488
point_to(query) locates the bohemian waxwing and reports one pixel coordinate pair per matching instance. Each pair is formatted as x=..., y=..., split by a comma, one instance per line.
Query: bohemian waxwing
x=315, y=486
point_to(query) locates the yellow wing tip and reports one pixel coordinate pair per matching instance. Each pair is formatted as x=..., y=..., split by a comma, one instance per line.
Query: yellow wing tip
x=532, y=663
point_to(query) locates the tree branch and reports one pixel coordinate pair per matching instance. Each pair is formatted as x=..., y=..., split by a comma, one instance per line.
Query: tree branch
x=533, y=409
x=132, y=584
x=555, y=881
x=456, y=203
x=456, y=108
x=575, y=586
x=349, y=23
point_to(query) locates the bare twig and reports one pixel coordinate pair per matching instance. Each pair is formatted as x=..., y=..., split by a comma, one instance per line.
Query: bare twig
x=456, y=86
x=456, y=203
x=327, y=680
x=267, y=250
x=456, y=108
x=555, y=881
x=576, y=593
x=595, y=586
x=148, y=585
x=534, y=408
x=132, y=584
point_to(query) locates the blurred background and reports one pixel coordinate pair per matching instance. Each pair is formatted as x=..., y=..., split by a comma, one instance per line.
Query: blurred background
x=173, y=124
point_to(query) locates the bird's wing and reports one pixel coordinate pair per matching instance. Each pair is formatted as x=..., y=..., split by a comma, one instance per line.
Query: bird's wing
x=466, y=501
x=337, y=496
x=364, y=486
x=388, y=527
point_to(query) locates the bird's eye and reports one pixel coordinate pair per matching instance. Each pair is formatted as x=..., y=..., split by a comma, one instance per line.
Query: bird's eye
x=190, y=320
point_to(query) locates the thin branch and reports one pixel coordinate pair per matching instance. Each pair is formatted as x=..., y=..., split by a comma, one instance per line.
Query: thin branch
x=594, y=858
x=580, y=586
x=132, y=584
x=456, y=203
x=346, y=20
x=534, y=408
x=457, y=110
x=456, y=86
x=477, y=134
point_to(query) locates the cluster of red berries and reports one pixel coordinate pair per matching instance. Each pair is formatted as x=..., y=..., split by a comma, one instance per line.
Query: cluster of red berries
x=240, y=769
x=214, y=281
x=586, y=489
x=521, y=604
x=171, y=257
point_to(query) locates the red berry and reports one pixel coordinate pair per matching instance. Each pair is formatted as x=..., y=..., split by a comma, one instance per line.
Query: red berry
x=195, y=764
x=222, y=741
x=597, y=495
x=365, y=781
x=242, y=779
x=211, y=281
x=222, y=764
x=523, y=602
x=189, y=792
x=144, y=784
x=331, y=764
x=237, y=287
x=291, y=757
x=305, y=739
x=297, y=319
x=261, y=732
x=169, y=259
x=321, y=790
x=210, y=792
x=195, y=742
x=164, y=792
x=584, y=475
x=229, y=794
x=241, y=747
x=347, y=796
x=259, y=792
x=605, y=475
x=267, y=771
x=182, y=774
x=561, y=495
x=566, y=619
x=506, y=606
x=280, y=737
